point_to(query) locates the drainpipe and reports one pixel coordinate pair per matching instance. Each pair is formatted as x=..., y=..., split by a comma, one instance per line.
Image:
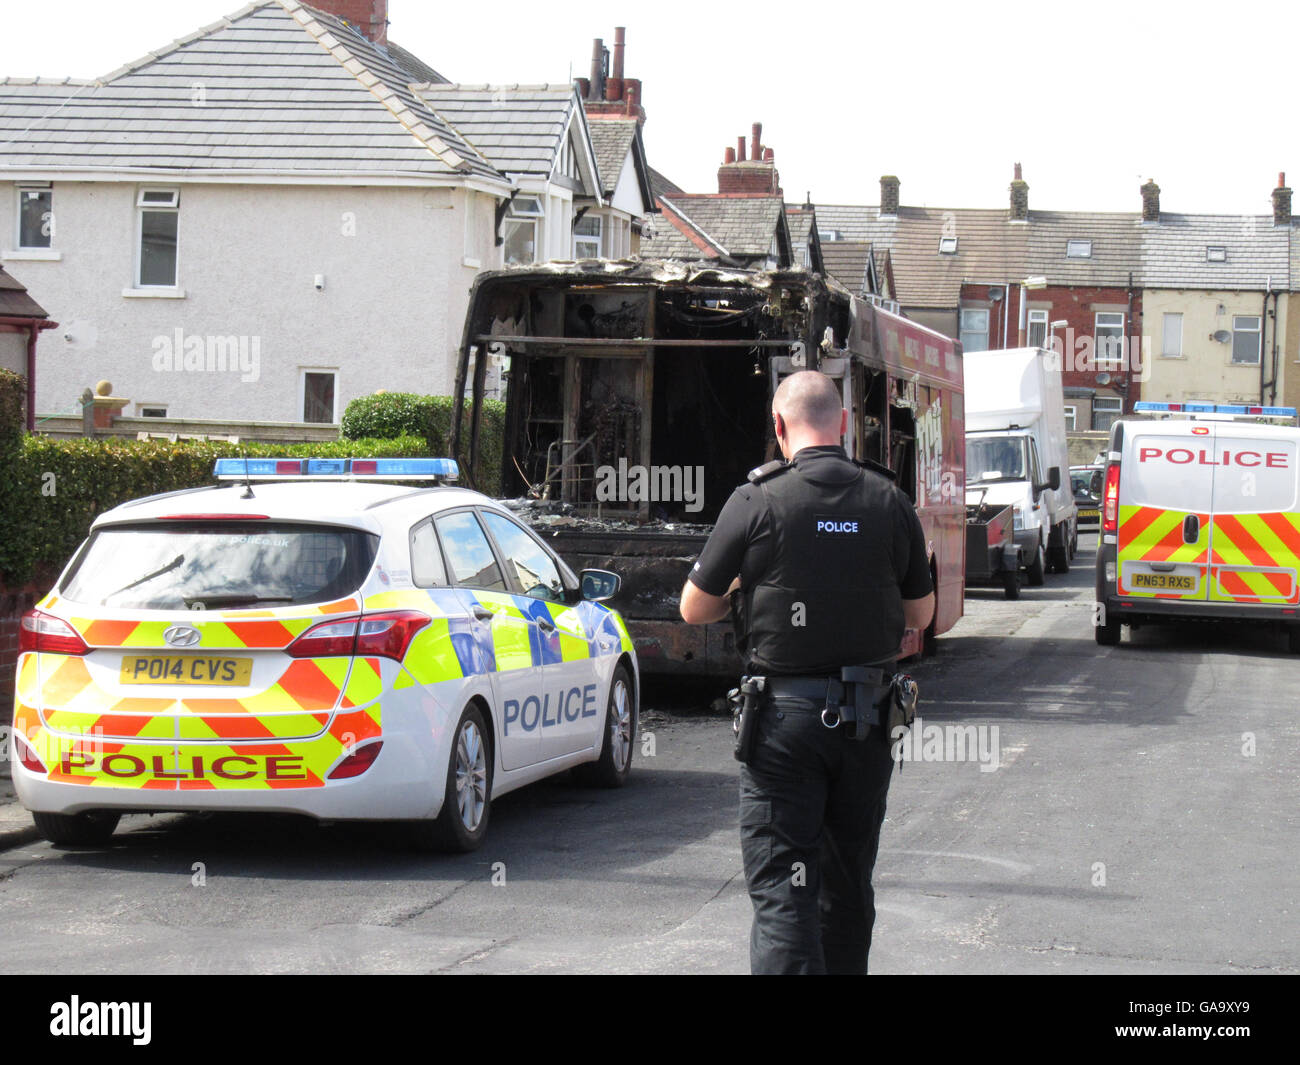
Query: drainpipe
x=1263, y=325
x=33, y=327
x=1271, y=384
x=1272, y=388
x=1128, y=362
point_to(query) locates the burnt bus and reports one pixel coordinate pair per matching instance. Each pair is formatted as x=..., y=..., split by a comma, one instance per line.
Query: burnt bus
x=638, y=396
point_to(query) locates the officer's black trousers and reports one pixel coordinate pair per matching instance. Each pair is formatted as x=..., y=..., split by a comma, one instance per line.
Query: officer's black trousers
x=812, y=801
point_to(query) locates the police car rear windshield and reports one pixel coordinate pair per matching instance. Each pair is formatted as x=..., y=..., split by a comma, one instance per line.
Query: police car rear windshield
x=220, y=565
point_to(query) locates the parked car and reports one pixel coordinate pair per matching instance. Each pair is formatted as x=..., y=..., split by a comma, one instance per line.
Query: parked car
x=334, y=646
x=1087, y=483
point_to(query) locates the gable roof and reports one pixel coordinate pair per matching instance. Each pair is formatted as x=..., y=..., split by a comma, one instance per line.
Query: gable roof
x=849, y=262
x=661, y=186
x=612, y=139
x=741, y=227
x=275, y=87
x=520, y=129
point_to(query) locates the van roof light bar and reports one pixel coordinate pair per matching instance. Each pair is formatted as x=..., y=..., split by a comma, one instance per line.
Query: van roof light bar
x=1217, y=410
x=320, y=469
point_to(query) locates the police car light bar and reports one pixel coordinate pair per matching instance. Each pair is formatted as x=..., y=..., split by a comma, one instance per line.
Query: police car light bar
x=336, y=470
x=1232, y=410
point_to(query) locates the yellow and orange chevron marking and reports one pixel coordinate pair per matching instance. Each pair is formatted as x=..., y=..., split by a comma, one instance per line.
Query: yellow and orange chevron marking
x=1255, y=558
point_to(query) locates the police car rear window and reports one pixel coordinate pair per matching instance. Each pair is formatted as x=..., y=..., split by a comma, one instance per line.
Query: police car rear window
x=200, y=565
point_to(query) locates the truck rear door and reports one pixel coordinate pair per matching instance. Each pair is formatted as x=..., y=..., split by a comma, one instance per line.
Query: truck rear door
x=1166, y=489
x=1255, y=535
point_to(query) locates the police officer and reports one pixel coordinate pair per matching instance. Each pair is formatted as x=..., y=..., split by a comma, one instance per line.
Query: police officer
x=830, y=561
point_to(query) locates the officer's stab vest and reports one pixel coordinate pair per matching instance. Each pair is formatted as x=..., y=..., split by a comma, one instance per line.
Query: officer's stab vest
x=829, y=596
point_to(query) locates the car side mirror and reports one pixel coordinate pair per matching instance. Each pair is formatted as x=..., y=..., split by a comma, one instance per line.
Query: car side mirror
x=1054, y=478
x=600, y=584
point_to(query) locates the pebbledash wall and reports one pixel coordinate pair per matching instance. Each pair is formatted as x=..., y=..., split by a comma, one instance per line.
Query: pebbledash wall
x=396, y=263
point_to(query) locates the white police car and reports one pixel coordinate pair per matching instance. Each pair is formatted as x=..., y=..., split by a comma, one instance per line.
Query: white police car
x=315, y=641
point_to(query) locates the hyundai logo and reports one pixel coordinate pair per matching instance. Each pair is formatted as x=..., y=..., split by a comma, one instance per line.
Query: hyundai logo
x=181, y=635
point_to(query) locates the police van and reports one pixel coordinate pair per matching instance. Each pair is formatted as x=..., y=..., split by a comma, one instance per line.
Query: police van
x=1200, y=518
x=311, y=638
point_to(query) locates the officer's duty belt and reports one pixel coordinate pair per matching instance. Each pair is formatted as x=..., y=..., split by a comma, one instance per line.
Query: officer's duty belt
x=856, y=696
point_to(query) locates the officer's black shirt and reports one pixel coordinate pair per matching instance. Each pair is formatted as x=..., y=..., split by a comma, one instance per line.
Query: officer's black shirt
x=742, y=540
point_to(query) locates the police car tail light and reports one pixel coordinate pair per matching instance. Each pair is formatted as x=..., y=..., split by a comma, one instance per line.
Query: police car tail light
x=40, y=631
x=357, y=762
x=329, y=639
x=390, y=634
x=1110, y=504
x=27, y=756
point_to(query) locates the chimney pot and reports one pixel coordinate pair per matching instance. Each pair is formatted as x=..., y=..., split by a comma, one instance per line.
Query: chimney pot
x=756, y=141
x=1281, y=179
x=1019, y=176
x=1150, y=201
x=768, y=155
x=598, y=55
x=740, y=149
x=889, y=194
x=729, y=156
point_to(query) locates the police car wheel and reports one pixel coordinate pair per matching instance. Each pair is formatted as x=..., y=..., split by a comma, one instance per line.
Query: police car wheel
x=1038, y=567
x=463, y=821
x=615, y=762
x=93, y=826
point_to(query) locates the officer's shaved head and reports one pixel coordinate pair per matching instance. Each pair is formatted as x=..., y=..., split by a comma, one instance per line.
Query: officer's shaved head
x=809, y=400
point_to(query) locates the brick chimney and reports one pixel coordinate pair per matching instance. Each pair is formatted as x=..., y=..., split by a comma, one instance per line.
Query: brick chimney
x=1019, y=197
x=888, y=195
x=607, y=93
x=1150, y=201
x=753, y=176
x=368, y=17
x=1281, y=202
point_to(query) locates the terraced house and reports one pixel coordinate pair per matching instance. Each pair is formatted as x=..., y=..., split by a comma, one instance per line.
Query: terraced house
x=281, y=212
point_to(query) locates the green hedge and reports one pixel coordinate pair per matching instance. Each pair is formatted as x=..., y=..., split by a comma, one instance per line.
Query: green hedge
x=54, y=488
x=13, y=400
x=390, y=414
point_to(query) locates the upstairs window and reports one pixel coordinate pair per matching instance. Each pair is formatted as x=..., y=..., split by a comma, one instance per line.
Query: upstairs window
x=1245, y=339
x=519, y=230
x=1110, y=339
x=159, y=211
x=586, y=237
x=35, y=216
x=974, y=330
x=1037, y=329
x=1171, y=344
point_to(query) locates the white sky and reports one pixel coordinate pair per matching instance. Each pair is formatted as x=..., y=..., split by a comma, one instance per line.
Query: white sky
x=1092, y=98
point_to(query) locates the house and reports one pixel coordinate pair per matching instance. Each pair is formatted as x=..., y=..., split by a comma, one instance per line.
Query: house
x=21, y=321
x=276, y=214
x=743, y=224
x=1215, y=292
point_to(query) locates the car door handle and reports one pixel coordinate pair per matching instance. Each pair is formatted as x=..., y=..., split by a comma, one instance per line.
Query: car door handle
x=546, y=625
x=1191, y=529
x=481, y=612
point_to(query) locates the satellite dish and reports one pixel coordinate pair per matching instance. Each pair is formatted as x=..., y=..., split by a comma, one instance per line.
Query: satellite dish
x=995, y=293
x=1103, y=379
x=1222, y=336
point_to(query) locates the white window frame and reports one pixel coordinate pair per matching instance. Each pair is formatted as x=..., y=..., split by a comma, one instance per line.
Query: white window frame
x=1078, y=249
x=1258, y=333
x=598, y=238
x=1108, y=361
x=1169, y=318
x=141, y=408
x=1106, y=405
x=303, y=371
x=534, y=224
x=172, y=204
x=962, y=328
x=28, y=187
x=1037, y=317
x=947, y=245
x=1216, y=253
x=1071, y=414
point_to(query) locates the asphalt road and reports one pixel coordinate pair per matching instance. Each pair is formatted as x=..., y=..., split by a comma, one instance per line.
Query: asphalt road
x=1141, y=818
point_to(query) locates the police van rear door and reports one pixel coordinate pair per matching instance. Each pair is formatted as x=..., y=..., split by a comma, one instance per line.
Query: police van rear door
x=1255, y=537
x=1166, y=488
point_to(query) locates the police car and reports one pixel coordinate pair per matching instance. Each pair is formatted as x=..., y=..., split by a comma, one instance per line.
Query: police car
x=1201, y=518
x=310, y=639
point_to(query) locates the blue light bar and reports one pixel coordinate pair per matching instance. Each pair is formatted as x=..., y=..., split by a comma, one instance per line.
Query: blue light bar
x=1241, y=410
x=320, y=469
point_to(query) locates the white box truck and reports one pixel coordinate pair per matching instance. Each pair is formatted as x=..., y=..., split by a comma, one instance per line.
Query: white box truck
x=1017, y=453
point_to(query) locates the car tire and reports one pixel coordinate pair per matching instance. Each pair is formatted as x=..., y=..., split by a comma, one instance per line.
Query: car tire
x=1293, y=639
x=90, y=827
x=1060, y=556
x=1108, y=632
x=1038, y=567
x=611, y=769
x=462, y=823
